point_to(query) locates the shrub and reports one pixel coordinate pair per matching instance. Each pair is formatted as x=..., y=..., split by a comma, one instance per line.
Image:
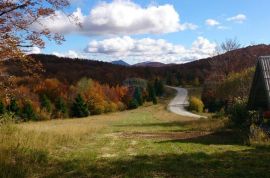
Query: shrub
x=28, y=112
x=110, y=107
x=45, y=103
x=2, y=108
x=220, y=114
x=238, y=113
x=13, y=107
x=258, y=135
x=195, y=104
x=121, y=106
x=79, y=107
x=133, y=104
x=61, y=108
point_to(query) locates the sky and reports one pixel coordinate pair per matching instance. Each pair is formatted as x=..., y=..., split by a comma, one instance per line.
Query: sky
x=168, y=31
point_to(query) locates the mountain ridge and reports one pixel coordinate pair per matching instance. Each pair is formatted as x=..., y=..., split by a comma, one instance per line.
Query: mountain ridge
x=71, y=70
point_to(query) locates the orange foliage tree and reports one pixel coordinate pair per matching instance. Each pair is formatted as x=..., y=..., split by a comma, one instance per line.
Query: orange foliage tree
x=52, y=88
x=101, y=98
x=16, y=18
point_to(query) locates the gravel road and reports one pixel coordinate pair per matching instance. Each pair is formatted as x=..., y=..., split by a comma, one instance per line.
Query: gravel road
x=179, y=102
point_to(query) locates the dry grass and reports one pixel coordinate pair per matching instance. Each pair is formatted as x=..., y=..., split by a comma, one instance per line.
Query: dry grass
x=147, y=142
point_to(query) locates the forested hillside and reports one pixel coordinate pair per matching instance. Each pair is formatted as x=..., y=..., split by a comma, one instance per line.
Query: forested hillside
x=71, y=70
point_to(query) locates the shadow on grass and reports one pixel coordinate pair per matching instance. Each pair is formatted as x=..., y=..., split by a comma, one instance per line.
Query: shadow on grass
x=20, y=163
x=228, y=137
x=248, y=163
x=252, y=162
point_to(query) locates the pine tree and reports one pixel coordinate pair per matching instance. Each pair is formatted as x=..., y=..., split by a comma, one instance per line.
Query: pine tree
x=45, y=102
x=159, y=87
x=13, y=107
x=79, y=107
x=151, y=93
x=133, y=104
x=2, y=108
x=61, y=107
x=28, y=112
x=138, y=96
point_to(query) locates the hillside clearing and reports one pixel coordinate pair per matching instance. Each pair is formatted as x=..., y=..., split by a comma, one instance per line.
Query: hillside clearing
x=147, y=142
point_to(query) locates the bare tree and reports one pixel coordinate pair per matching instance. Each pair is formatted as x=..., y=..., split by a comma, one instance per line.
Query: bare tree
x=225, y=59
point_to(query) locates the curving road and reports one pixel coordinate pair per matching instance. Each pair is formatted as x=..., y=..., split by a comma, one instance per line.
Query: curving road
x=179, y=102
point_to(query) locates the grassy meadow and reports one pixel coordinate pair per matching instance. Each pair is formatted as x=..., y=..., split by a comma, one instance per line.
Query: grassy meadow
x=146, y=142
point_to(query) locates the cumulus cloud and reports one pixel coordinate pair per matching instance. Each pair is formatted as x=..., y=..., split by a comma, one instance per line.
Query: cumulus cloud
x=120, y=17
x=70, y=54
x=138, y=50
x=33, y=50
x=211, y=22
x=240, y=18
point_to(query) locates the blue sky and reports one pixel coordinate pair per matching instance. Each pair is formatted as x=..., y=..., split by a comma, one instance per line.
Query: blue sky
x=167, y=31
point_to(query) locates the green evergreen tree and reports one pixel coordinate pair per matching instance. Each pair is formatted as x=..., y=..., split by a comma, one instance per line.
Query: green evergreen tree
x=13, y=107
x=133, y=104
x=79, y=107
x=138, y=96
x=159, y=87
x=61, y=107
x=2, y=108
x=28, y=112
x=46, y=104
x=151, y=93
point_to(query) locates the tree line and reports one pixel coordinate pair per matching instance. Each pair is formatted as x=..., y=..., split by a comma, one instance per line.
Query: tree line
x=51, y=98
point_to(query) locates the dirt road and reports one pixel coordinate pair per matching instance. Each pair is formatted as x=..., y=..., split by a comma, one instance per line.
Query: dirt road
x=179, y=102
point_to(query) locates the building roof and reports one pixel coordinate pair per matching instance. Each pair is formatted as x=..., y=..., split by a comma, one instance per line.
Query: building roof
x=259, y=97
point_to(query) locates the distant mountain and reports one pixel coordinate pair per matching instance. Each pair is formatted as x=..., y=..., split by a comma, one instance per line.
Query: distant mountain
x=120, y=62
x=149, y=64
x=72, y=70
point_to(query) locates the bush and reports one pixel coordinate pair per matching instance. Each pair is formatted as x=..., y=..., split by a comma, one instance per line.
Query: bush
x=28, y=112
x=13, y=107
x=258, y=135
x=195, y=104
x=133, y=104
x=238, y=113
x=110, y=107
x=61, y=108
x=46, y=103
x=220, y=114
x=121, y=106
x=2, y=108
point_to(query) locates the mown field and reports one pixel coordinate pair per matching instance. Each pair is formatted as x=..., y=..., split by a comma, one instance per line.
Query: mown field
x=147, y=142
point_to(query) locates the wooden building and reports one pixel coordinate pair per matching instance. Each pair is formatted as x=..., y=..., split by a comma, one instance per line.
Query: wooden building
x=259, y=97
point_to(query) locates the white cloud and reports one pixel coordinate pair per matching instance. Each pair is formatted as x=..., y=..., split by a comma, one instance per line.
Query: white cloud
x=120, y=17
x=138, y=50
x=71, y=54
x=33, y=50
x=240, y=18
x=221, y=27
x=211, y=22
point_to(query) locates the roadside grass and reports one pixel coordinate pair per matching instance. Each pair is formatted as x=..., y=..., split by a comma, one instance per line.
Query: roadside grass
x=147, y=142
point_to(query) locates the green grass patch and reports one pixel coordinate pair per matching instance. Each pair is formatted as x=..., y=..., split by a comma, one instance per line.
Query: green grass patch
x=147, y=142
